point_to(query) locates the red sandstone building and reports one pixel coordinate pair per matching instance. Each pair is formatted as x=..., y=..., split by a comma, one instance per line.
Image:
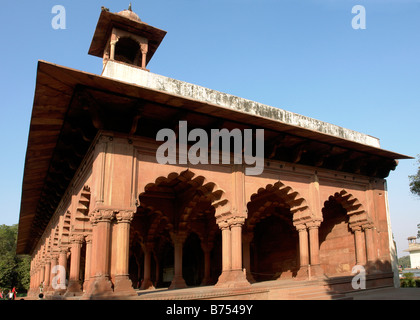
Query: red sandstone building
x=96, y=202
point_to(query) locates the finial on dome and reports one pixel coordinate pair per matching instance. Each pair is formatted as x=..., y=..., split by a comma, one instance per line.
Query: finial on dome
x=129, y=7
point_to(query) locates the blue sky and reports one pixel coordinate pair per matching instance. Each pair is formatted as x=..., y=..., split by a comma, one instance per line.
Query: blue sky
x=303, y=56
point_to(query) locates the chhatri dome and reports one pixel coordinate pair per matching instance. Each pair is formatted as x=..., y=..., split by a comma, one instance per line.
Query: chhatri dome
x=130, y=14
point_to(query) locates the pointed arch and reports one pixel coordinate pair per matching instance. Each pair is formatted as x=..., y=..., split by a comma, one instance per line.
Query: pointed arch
x=277, y=195
x=197, y=188
x=352, y=205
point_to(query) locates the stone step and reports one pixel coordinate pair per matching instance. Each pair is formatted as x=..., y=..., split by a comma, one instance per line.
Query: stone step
x=316, y=293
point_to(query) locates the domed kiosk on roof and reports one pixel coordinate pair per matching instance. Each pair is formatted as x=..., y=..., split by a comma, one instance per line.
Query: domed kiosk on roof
x=124, y=37
x=128, y=13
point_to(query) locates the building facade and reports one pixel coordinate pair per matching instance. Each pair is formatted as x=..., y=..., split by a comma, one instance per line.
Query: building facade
x=102, y=217
x=414, y=250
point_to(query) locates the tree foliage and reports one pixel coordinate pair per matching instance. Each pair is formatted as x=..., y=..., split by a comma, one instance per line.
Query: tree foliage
x=404, y=262
x=14, y=269
x=415, y=180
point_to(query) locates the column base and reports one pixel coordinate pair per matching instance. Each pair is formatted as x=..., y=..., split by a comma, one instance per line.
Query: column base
x=74, y=289
x=178, y=282
x=100, y=287
x=232, y=279
x=303, y=273
x=123, y=286
x=316, y=272
x=147, y=284
x=205, y=282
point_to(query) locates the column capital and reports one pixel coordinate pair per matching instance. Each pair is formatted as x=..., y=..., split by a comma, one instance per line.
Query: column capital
x=301, y=227
x=124, y=216
x=313, y=224
x=355, y=227
x=178, y=237
x=144, y=47
x=89, y=238
x=77, y=238
x=148, y=246
x=102, y=215
x=223, y=224
x=63, y=250
x=368, y=225
x=236, y=221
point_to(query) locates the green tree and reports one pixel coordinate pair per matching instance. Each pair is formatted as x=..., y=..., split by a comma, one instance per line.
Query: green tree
x=404, y=262
x=14, y=269
x=415, y=180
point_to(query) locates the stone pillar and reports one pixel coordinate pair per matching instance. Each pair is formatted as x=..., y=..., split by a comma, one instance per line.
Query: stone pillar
x=236, y=276
x=157, y=270
x=62, y=271
x=53, y=271
x=147, y=282
x=144, y=48
x=360, y=246
x=303, y=251
x=315, y=267
x=123, y=284
x=100, y=284
x=246, y=242
x=42, y=273
x=206, y=247
x=47, y=280
x=88, y=261
x=113, y=43
x=226, y=253
x=75, y=287
x=178, y=281
x=370, y=247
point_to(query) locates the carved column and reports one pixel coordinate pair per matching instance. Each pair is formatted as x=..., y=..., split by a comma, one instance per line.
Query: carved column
x=53, y=271
x=370, y=247
x=75, y=287
x=62, y=271
x=246, y=242
x=315, y=267
x=88, y=261
x=47, y=281
x=113, y=43
x=147, y=282
x=100, y=284
x=123, y=283
x=144, y=48
x=226, y=253
x=42, y=273
x=303, y=251
x=178, y=280
x=236, y=276
x=206, y=247
x=359, y=243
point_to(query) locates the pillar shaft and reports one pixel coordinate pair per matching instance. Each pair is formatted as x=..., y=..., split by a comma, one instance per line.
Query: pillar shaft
x=147, y=282
x=99, y=283
x=315, y=267
x=74, y=281
x=233, y=274
x=370, y=245
x=360, y=250
x=178, y=280
x=88, y=261
x=123, y=285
